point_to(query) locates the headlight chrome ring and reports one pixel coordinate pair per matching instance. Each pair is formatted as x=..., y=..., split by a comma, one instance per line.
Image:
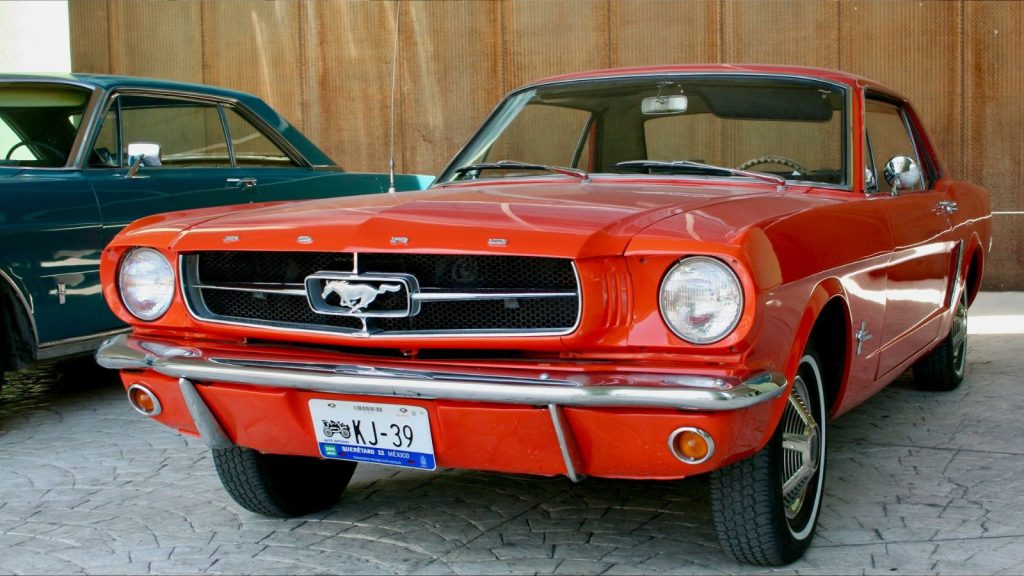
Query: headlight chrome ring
x=146, y=283
x=701, y=299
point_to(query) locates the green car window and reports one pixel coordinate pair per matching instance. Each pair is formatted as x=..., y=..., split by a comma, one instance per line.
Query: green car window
x=251, y=147
x=36, y=127
x=189, y=133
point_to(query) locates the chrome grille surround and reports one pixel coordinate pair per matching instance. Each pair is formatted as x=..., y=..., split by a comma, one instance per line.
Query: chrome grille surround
x=455, y=296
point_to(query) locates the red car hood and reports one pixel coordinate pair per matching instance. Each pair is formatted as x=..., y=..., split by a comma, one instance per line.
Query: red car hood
x=552, y=218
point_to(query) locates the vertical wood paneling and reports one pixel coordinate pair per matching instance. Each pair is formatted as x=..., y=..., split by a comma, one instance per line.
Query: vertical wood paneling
x=260, y=55
x=351, y=47
x=326, y=65
x=544, y=38
x=648, y=32
x=160, y=38
x=90, y=36
x=799, y=32
x=914, y=48
x=445, y=99
x=994, y=151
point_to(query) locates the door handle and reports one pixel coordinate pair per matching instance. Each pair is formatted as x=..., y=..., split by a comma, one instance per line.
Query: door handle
x=242, y=182
x=947, y=207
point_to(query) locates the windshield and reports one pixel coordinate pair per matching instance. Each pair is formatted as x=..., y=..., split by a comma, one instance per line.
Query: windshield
x=38, y=124
x=711, y=126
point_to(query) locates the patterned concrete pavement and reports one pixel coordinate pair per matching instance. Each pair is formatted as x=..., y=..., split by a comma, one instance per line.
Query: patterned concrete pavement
x=917, y=483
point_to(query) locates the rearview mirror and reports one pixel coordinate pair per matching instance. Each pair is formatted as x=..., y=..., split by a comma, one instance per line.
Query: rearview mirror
x=660, y=105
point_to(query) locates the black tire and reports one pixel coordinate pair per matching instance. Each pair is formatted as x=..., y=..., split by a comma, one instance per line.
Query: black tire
x=943, y=369
x=281, y=486
x=756, y=519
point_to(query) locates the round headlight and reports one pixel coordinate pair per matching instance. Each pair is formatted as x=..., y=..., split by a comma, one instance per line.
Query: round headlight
x=146, y=282
x=701, y=299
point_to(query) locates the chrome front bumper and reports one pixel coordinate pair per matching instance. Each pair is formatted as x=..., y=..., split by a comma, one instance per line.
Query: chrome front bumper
x=525, y=387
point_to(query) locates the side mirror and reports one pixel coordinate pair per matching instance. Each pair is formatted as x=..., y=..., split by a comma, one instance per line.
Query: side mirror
x=901, y=172
x=148, y=151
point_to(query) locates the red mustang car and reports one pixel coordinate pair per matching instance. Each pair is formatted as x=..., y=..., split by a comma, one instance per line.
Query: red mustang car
x=640, y=273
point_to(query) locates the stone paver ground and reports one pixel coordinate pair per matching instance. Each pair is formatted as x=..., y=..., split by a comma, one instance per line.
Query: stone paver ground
x=917, y=483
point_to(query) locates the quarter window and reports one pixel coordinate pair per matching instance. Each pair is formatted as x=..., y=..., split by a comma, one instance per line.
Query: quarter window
x=252, y=147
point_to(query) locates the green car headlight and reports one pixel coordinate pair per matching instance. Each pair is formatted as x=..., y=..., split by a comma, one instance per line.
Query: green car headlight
x=701, y=299
x=146, y=283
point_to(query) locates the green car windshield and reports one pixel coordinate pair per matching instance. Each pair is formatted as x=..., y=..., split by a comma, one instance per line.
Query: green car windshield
x=706, y=126
x=38, y=124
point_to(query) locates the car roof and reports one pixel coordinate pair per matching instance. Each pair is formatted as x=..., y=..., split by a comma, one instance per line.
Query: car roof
x=108, y=82
x=833, y=76
x=111, y=82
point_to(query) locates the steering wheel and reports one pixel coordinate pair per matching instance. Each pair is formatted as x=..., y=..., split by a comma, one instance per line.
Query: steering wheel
x=57, y=154
x=796, y=166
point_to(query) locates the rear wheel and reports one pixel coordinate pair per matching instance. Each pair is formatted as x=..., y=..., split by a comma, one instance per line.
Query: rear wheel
x=281, y=486
x=765, y=508
x=943, y=368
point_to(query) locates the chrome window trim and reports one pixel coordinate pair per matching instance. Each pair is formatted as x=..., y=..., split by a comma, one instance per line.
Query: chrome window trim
x=846, y=89
x=265, y=129
x=189, y=269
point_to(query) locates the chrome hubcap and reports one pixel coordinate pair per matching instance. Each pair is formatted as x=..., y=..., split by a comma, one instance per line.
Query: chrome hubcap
x=801, y=449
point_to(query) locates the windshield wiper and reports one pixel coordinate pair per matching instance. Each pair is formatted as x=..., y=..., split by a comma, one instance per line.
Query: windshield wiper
x=779, y=180
x=515, y=165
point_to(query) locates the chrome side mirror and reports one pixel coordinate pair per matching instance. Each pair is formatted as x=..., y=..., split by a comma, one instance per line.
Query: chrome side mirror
x=149, y=151
x=142, y=154
x=901, y=172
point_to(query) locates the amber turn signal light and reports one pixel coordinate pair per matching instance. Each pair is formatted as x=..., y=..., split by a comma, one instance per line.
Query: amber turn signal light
x=143, y=400
x=691, y=445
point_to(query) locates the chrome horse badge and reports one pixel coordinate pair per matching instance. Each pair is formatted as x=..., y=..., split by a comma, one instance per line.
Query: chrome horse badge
x=355, y=297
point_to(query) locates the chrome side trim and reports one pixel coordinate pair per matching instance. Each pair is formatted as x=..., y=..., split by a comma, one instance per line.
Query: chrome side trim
x=66, y=347
x=959, y=276
x=206, y=423
x=566, y=443
x=685, y=392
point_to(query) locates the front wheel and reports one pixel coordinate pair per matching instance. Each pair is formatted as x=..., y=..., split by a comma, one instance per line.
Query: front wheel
x=281, y=486
x=765, y=508
x=942, y=369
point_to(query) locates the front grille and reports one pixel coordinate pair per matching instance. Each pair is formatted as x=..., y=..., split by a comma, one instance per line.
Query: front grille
x=432, y=294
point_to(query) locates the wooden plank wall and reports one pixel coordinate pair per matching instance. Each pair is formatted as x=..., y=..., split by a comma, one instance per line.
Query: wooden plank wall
x=326, y=65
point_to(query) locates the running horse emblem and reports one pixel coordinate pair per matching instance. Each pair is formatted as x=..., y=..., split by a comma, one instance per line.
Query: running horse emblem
x=355, y=297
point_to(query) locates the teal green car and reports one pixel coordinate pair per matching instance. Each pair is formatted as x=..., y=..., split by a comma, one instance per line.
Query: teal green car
x=82, y=155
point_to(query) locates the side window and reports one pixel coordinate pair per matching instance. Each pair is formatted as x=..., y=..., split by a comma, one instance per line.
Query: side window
x=887, y=137
x=105, y=148
x=190, y=134
x=252, y=147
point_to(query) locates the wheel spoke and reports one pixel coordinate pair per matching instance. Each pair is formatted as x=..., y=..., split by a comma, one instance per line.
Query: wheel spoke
x=797, y=443
x=797, y=481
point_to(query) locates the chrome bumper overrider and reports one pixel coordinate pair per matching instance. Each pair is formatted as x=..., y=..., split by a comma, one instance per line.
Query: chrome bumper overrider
x=701, y=393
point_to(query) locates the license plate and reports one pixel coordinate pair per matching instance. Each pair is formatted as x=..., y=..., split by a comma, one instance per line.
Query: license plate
x=389, y=434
